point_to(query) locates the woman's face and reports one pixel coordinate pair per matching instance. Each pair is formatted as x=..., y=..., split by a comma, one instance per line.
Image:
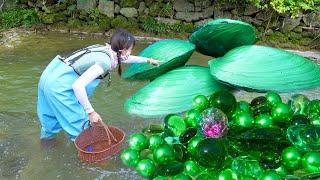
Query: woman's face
x=126, y=52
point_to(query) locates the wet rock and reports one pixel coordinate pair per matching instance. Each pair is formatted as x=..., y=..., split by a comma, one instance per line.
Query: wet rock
x=86, y=4
x=129, y=12
x=312, y=19
x=106, y=7
x=251, y=10
x=142, y=7
x=290, y=23
x=183, y=6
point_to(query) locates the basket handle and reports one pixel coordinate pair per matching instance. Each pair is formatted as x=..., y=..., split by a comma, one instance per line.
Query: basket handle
x=84, y=124
x=109, y=133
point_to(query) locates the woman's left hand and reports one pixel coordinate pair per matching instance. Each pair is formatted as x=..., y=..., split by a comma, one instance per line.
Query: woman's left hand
x=154, y=62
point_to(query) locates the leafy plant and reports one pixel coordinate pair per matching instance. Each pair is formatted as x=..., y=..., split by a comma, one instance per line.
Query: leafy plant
x=152, y=25
x=294, y=7
x=18, y=17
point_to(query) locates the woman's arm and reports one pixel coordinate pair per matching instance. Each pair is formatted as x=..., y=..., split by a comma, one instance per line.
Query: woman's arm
x=136, y=59
x=79, y=86
x=140, y=59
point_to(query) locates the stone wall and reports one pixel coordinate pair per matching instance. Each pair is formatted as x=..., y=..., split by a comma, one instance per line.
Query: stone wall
x=189, y=13
x=199, y=11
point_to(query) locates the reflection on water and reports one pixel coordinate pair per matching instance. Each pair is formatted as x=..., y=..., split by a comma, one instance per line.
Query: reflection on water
x=21, y=156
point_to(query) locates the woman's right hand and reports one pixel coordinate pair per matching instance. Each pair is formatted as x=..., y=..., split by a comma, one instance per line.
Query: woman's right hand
x=94, y=117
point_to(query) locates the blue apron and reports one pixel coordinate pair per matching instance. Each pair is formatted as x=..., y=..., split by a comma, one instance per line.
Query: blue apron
x=58, y=108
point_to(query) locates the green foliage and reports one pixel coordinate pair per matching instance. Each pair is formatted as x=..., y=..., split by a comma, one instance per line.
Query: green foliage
x=18, y=17
x=94, y=14
x=283, y=6
x=294, y=7
x=152, y=25
x=122, y=22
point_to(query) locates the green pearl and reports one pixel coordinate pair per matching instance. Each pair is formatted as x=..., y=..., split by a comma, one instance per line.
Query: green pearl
x=191, y=168
x=200, y=102
x=175, y=124
x=298, y=103
x=193, y=117
x=223, y=100
x=269, y=175
x=282, y=171
x=315, y=120
x=146, y=167
x=160, y=178
x=281, y=112
x=300, y=119
x=311, y=162
x=264, y=120
x=206, y=175
x=243, y=106
x=130, y=157
x=181, y=177
x=313, y=108
x=273, y=98
x=180, y=152
x=291, y=157
x=228, y=174
x=193, y=144
x=155, y=141
x=138, y=141
x=163, y=154
x=243, y=119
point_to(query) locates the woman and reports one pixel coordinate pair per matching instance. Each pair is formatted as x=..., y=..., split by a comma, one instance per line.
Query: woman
x=66, y=83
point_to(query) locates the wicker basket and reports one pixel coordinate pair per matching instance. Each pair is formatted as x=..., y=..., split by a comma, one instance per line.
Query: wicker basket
x=99, y=143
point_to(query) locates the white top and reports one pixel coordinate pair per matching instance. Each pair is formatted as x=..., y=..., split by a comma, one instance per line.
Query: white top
x=94, y=72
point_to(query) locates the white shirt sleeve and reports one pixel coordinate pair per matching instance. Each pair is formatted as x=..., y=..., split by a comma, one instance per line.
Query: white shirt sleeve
x=135, y=59
x=79, y=86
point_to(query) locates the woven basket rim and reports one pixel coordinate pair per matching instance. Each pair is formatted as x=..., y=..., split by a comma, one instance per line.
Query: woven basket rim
x=116, y=144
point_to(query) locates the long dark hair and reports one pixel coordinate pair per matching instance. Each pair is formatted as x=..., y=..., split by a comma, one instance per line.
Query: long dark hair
x=121, y=39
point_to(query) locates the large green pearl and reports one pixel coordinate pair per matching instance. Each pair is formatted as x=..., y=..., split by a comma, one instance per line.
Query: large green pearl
x=273, y=98
x=193, y=117
x=300, y=119
x=163, y=154
x=264, y=120
x=269, y=175
x=130, y=157
x=138, y=141
x=223, y=100
x=298, y=103
x=155, y=141
x=315, y=120
x=200, y=102
x=193, y=144
x=243, y=106
x=146, y=167
x=291, y=158
x=180, y=152
x=211, y=152
x=175, y=124
x=282, y=171
x=243, y=119
x=281, y=112
x=260, y=105
x=207, y=174
x=191, y=168
x=186, y=136
x=170, y=169
x=311, y=162
x=314, y=107
x=160, y=178
x=228, y=174
x=181, y=177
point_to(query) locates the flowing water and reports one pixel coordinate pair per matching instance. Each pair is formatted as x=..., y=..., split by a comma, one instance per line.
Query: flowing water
x=21, y=156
